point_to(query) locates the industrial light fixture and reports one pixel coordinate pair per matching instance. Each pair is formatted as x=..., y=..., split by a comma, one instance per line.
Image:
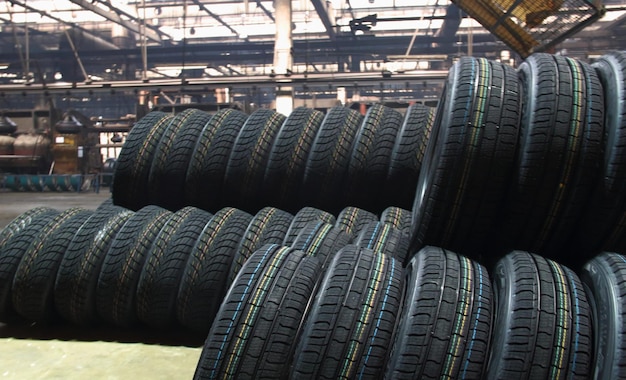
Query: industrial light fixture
x=69, y=124
x=117, y=138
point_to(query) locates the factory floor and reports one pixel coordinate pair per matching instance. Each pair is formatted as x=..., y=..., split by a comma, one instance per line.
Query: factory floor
x=61, y=351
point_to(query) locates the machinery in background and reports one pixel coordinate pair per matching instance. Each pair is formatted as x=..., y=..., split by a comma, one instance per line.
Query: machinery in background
x=25, y=140
x=43, y=150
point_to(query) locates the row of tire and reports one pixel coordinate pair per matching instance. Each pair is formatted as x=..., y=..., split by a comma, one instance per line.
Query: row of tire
x=309, y=159
x=314, y=296
x=161, y=268
x=532, y=160
x=443, y=316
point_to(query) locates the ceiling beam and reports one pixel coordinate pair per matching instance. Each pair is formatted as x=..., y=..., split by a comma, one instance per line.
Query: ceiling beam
x=215, y=16
x=128, y=14
x=132, y=25
x=324, y=14
x=267, y=12
x=61, y=21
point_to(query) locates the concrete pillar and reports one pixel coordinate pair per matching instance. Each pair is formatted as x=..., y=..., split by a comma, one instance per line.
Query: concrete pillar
x=283, y=59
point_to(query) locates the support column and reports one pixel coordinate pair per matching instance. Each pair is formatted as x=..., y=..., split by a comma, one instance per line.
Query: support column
x=283, y=60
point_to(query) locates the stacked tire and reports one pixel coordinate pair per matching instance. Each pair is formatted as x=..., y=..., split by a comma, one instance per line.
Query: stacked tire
x=308, y=159
x=156, y=267
x=482, y=239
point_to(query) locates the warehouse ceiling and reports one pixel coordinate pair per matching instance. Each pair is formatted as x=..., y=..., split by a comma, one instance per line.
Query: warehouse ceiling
x=92, y=40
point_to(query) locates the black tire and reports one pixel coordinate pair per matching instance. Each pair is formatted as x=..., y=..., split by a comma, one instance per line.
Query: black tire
x=246, y=165
x=205, y=175
x=133, y=164
x=75, y=286
x=352, y=220
x=163, y=269
x=445, y=325
x=285, y=167
x=469, y=159
x=268, y=226
x=603, y=228
x=398, y=218
x=106, y=204
x=11, y=254
x=542, y=327
x=321, y=240
x=560, y=154
x=255, y=330
x=384, y=238
x=22, y=221
x=408, y=153
x=604, y=278
x=327, y=164
x=122, y=264
x=370, y=159
x=211, y=264
x=171, y=160
x=349, y=328
x=302, y=218
x=33, y=283
x=158, y=185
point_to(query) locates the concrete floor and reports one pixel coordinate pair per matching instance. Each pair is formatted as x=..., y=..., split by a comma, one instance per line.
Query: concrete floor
x=61, y=351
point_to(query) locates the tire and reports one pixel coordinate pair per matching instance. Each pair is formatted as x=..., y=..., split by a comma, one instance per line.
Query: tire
x=205, y=175
x=171, y=160
x=211, y=264
x=165, y=262
x=604, y=278
x=22, y=221
x=407, y=154
x=370, y=159
x=158, y=181
x=321, y=240
x=384, y=238
x=444, y=329
x=106, y=204
x=33, y=283
x=246, y=165
x=349, y=328
x=398, y=218
x=122, y=264
x=133, y=164
x=302, y=218
x=255, y=330
x=352, y=220
x=469, y=159
x=268, y=226
x=327, y=164
x=11, y=254
x=542, y=327
x=602, y=227
x=77, y=277
x=285, y=167
x=560, y=154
